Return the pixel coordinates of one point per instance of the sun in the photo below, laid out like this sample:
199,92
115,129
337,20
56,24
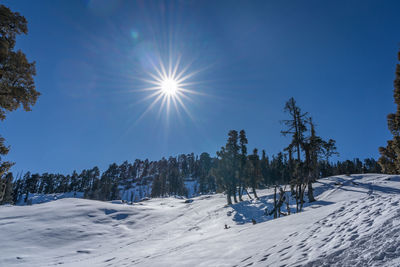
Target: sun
169,87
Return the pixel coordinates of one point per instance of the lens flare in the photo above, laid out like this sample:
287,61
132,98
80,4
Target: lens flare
171,85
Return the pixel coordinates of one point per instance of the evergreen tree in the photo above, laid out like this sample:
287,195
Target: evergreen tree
163,173
390,155
223,173
16,75
232,149
205,179
264,164
156,186
312,150
175,180
227,169
108,187
253,168
296,125
243,159
17,190
7,190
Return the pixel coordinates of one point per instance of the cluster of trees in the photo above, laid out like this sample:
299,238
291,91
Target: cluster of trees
302,162
168,177
235,171
305,152
164,178
390,155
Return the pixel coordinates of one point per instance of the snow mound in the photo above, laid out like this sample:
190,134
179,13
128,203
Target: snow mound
43,198
354,222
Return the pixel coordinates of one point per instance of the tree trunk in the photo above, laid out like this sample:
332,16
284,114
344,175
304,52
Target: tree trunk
240,191
302,190
297,198
3,186
275,204
234,193
288,205
26,196
248,193
310,192
228,197
254,192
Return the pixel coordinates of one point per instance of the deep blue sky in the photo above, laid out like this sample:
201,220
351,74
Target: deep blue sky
336,58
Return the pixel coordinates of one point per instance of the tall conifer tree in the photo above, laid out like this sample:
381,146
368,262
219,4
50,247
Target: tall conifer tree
390,155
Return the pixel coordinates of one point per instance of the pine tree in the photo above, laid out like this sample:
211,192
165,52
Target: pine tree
16,75
232,149
254,171
227,168
296,126
175,180
390,155
163,175
264,163
17,190
312,150
7,191
243,159
205,179
156,186
223,173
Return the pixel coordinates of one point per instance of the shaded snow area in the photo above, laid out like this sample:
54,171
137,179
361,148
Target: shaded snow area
355,222
42,198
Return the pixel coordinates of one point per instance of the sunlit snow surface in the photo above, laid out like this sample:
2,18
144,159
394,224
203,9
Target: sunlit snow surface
355,222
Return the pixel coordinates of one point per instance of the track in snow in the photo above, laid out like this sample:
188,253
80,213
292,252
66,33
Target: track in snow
355,222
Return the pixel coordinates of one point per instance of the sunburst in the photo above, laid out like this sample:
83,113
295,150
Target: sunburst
170,85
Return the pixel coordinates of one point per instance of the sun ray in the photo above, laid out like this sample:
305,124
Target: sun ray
146,98
162,106
185,108
176,66
184,96
171,85
149,108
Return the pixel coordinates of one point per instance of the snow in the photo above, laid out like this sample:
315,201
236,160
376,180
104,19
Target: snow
43,198
354,222
136,192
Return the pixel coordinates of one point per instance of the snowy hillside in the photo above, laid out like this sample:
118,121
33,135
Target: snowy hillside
355,222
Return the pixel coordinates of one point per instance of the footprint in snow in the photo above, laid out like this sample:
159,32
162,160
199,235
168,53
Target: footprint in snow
109,260
246,259
83,251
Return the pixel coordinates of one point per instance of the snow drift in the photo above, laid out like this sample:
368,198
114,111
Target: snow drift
355,222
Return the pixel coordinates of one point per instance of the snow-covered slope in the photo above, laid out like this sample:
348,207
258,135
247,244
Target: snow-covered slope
43,198
355,222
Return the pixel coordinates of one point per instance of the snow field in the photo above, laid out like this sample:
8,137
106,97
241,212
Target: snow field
355,222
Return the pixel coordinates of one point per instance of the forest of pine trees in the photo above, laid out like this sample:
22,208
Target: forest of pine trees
234,171
168,177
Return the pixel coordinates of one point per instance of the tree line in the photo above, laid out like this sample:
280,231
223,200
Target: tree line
232,171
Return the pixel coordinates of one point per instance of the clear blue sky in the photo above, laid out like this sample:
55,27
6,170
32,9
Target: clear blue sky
336,58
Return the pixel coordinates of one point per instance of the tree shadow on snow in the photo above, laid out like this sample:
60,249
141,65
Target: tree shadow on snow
379,188
245,211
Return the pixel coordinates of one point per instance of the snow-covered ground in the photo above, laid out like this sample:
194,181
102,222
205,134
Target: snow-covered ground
43,198
355,222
